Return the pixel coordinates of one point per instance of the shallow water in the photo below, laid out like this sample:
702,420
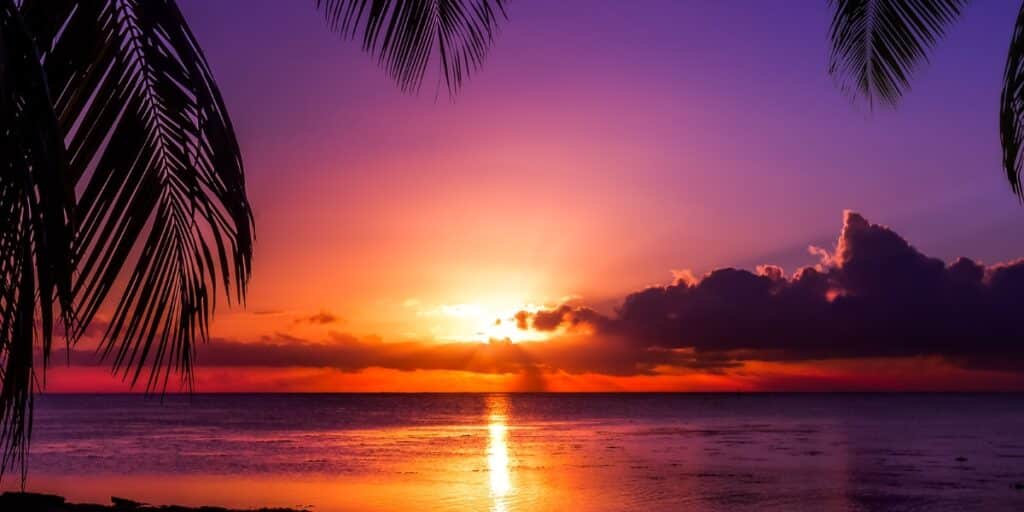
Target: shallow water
518,452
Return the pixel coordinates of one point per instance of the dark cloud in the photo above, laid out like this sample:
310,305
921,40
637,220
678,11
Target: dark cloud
875,295
267,312
321,318
283,336
522,319
560,317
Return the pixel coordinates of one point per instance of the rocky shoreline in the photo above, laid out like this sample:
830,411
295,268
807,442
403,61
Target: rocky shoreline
32,502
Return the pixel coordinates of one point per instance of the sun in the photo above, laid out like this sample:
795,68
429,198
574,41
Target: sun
481,321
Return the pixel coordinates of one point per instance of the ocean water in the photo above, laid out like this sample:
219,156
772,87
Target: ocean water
537,452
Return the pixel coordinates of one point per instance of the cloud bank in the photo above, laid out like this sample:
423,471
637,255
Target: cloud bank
874,296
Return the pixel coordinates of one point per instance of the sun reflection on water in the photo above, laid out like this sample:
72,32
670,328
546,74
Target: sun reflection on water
497,451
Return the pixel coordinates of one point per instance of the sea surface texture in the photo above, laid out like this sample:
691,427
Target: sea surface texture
536,452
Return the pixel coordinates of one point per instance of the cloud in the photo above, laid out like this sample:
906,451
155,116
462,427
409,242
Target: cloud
348,353
321,318
267,312
874,295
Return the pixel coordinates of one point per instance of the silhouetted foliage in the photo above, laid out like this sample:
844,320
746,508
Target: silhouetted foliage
877,45
122,180
151,148
404,35
35,203
1011,107
113,101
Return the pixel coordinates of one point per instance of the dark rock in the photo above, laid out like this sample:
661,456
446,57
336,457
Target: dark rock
961,459
32,502
29,501
125,503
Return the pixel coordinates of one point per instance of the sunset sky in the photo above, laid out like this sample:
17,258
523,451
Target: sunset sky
604,148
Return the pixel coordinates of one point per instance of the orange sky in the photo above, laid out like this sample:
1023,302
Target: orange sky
859,375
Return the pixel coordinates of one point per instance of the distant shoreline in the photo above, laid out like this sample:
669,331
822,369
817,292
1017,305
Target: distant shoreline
34,502
639,393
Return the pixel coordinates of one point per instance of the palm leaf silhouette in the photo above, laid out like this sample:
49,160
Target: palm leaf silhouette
405,35
162,212
112,101
877,44
1011,111
35,204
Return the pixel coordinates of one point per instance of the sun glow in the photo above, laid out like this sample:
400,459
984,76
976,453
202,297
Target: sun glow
480,321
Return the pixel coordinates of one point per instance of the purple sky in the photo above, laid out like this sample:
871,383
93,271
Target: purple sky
603,145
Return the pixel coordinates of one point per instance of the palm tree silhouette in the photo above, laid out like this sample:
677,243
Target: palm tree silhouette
122,181
877,45
121,178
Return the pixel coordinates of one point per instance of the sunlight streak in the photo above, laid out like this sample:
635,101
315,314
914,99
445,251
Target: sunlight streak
497,451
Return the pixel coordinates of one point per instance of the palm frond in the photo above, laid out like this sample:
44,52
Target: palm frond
162,213
35,204
877,44
1011,111
405,35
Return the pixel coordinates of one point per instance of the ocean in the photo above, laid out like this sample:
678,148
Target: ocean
536,452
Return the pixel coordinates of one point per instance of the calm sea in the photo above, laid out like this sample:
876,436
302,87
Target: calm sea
536,452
